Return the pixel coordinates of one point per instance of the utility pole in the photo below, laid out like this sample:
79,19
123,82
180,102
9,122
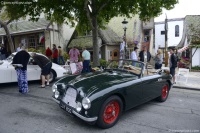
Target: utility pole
166,44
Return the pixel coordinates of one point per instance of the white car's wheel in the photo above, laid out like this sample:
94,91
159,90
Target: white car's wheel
52,76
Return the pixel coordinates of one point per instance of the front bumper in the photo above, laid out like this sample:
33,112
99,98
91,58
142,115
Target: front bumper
93,119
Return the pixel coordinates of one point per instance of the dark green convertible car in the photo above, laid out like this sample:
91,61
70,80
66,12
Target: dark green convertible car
101,96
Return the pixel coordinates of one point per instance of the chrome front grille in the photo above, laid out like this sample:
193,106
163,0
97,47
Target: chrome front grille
70,97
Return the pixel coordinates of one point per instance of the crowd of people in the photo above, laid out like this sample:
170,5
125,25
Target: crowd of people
145,56
55,55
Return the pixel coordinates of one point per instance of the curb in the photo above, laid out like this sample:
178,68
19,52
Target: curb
186,88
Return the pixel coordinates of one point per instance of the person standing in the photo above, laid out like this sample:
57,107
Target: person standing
55,54
22,58
19,48
145,55
134,55
48,53
60,56
172,63
45,64
3,52
86,60
122,49
158,59
74,54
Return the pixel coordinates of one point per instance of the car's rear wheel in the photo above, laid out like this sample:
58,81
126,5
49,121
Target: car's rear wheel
164,93
52,76
110,112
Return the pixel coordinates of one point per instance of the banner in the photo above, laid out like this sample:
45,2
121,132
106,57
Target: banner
183,49
41,38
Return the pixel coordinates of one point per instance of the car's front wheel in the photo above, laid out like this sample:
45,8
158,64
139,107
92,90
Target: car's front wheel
52,76
110,112
164,93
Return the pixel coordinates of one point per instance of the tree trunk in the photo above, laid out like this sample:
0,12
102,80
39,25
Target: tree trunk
95,35
95,42
8,36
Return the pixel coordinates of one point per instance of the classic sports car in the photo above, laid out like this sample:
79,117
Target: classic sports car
8,73
101,97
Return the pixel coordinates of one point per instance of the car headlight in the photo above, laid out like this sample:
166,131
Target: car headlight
86,103
54,88
56,94
78,106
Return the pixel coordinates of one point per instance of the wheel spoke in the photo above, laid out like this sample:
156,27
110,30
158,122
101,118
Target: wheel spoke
111,112
164,92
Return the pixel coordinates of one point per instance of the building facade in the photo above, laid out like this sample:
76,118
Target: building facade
174,33
37,35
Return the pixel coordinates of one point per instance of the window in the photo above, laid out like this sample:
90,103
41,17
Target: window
176,31
32,42
134,26
1,40
147,35
162,32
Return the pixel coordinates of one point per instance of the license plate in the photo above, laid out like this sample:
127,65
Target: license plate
68,109
62,105
65,107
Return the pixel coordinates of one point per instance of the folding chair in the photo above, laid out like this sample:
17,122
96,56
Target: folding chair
182,73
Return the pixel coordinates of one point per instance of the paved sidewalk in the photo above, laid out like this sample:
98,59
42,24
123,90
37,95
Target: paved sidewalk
193,82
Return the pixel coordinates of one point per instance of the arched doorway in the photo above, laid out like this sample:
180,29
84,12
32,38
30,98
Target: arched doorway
115,54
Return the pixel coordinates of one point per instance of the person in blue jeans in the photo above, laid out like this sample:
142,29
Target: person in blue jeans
60,56
86,60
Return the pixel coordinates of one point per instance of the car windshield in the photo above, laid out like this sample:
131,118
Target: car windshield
129,65
10,58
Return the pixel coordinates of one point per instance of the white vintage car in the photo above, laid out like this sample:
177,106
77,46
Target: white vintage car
8,73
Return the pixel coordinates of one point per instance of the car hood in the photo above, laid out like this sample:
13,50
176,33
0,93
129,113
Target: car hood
91,82
4,62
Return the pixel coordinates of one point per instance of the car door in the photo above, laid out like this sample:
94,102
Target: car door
6,73
33,70
134,95
151,86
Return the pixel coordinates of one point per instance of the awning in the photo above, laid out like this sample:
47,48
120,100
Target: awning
183,49
24,27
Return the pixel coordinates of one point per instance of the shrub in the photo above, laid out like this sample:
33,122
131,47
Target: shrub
42,51
65,56
32,50
196,68
103,62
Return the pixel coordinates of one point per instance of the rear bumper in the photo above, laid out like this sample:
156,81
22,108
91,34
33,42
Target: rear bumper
92,119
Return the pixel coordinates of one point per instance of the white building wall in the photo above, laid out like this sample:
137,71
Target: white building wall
159,39
195,58
172,40
47,39
67,34
62,37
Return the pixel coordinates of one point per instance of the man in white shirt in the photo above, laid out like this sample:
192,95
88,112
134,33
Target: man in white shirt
86,60
134,55
19,48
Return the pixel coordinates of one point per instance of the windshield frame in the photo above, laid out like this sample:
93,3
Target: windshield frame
118,67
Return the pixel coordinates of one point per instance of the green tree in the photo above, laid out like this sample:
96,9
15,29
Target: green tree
90,14
4,21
